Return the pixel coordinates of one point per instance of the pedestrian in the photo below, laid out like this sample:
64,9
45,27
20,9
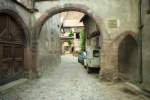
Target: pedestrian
72,50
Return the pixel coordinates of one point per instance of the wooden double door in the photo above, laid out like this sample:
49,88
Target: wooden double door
11,50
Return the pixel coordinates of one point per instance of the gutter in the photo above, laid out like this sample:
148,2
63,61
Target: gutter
140,67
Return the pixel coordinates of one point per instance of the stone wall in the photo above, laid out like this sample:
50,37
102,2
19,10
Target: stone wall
145,45
24,14
128,59
114,18
48,43
27,3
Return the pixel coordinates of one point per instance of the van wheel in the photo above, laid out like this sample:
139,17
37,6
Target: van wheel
78,60
88,70
85,66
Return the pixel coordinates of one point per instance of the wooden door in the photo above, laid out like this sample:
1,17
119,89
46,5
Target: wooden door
11,49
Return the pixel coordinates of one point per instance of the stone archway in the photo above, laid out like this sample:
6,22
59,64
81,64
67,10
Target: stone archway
128,58
61,8
20,31
58,9
115,51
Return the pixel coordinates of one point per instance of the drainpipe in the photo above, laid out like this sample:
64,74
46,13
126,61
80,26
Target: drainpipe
33,3
140,68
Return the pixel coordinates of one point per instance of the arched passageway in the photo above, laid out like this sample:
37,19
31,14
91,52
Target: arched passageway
13,43
58,9
128,58
62,8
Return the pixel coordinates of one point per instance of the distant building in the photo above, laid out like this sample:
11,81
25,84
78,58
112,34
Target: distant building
71,28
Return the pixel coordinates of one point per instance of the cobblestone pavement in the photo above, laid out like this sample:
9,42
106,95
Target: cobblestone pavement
69,81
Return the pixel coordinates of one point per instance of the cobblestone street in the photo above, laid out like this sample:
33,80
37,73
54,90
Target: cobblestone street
69,81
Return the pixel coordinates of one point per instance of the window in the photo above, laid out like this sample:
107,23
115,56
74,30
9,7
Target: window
77,35
96,53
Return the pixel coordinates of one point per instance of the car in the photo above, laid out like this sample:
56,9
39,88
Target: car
92,61
81,57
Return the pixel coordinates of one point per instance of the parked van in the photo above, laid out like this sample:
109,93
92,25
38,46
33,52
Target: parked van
92,60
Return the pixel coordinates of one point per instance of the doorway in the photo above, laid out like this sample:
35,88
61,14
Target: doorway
11,49
128,58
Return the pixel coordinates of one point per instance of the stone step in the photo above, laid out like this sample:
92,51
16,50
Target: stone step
12,84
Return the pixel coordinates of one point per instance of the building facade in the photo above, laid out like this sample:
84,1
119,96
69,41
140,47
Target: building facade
117,21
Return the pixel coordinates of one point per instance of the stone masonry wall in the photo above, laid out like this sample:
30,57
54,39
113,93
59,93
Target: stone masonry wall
145,44
48,43
117,17
24,14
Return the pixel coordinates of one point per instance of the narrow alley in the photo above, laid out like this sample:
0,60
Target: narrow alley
69,81
74,49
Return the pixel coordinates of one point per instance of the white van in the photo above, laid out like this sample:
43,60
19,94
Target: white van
92,60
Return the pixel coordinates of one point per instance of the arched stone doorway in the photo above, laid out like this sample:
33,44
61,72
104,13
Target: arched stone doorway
13,47
128,58
58,9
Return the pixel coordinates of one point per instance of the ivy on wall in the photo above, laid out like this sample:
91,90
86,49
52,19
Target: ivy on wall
82,40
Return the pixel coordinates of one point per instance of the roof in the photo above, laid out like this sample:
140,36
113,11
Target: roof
71,18
72,23
66,38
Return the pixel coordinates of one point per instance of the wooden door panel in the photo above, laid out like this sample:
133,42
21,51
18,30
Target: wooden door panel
11,50
3,23
18,66
19,52
7,52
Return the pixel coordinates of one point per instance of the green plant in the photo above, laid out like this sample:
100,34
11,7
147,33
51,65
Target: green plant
69,42
71,34
82,40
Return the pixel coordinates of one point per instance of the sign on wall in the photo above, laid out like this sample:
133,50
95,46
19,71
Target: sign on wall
112,24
